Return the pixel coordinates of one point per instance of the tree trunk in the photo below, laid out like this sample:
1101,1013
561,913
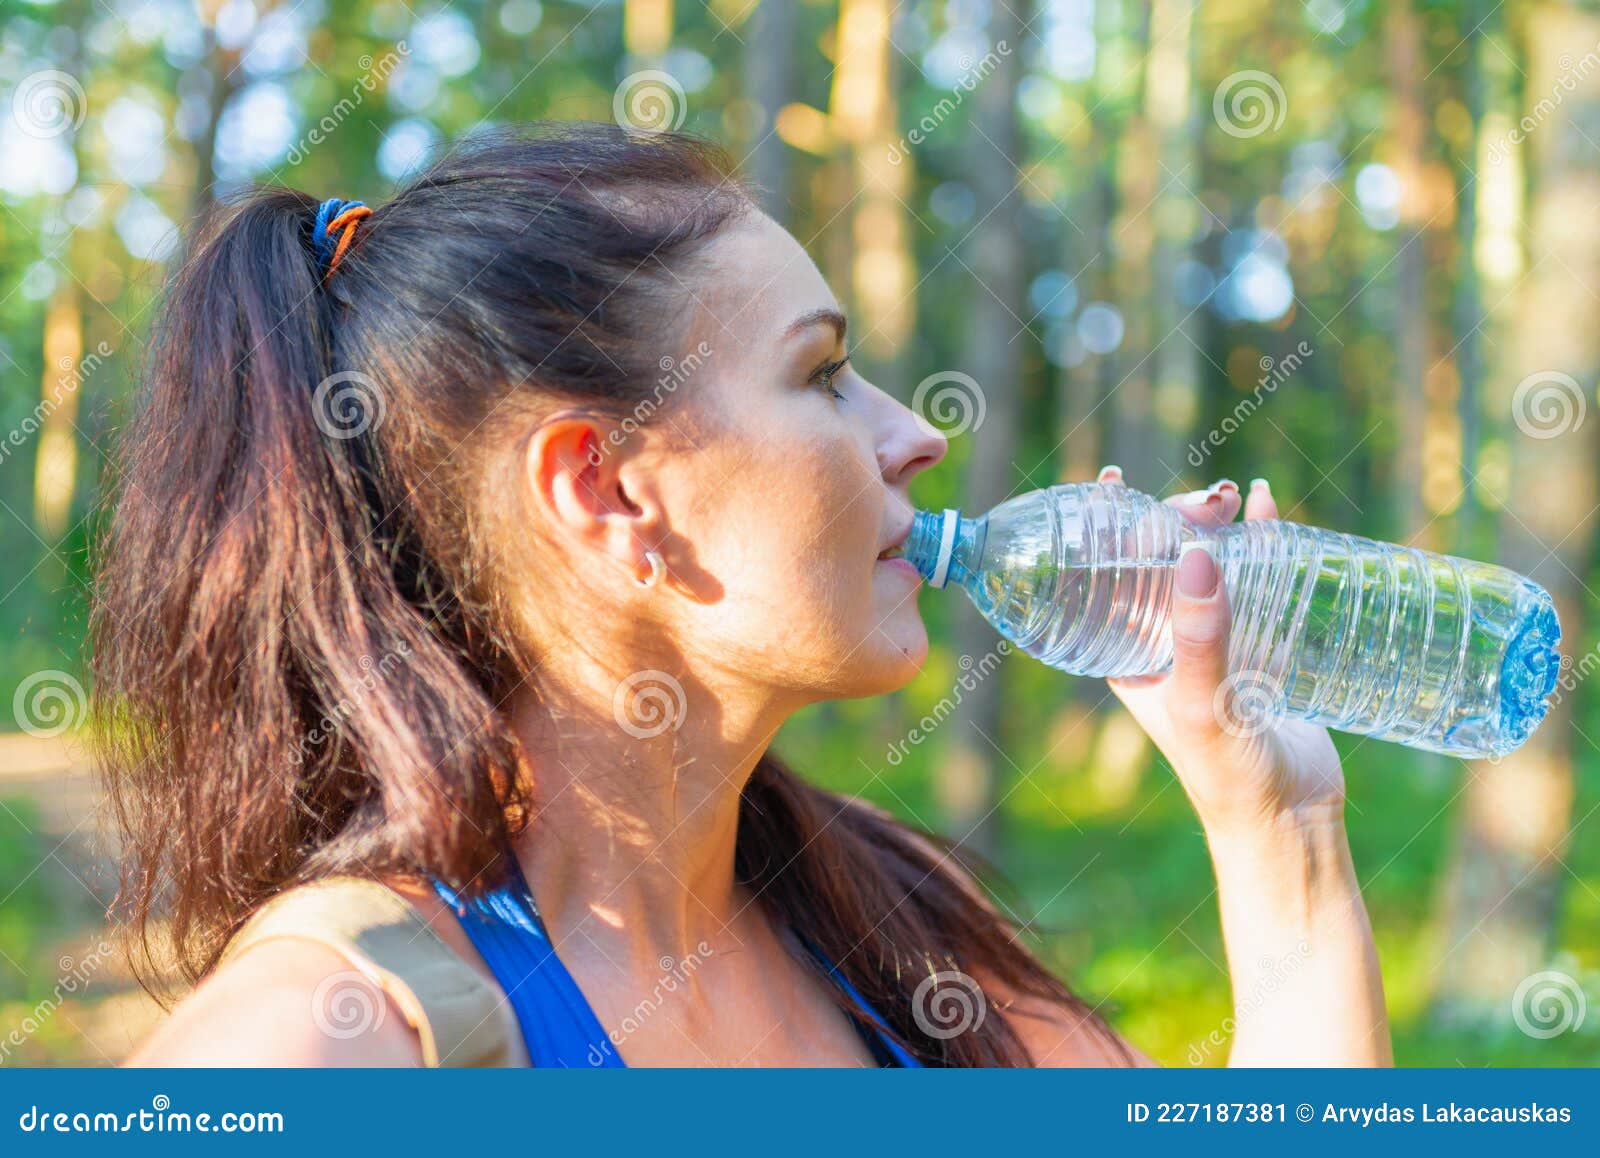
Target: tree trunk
1088,438
1132,237
769,85
1408,131
56,467
882,277
1175,358
969,777
1468,307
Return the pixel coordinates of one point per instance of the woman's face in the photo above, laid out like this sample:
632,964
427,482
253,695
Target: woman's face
786,484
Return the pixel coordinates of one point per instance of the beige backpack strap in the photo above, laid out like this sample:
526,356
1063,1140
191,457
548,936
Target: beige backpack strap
460,1017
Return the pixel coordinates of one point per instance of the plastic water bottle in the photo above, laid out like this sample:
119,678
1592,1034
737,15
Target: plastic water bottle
1427,650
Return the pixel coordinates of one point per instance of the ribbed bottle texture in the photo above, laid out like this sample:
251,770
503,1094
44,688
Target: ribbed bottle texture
1427,650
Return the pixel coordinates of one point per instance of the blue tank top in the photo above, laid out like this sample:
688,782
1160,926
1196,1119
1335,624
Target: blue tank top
558,1026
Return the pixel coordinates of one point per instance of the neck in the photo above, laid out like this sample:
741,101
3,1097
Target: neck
635,792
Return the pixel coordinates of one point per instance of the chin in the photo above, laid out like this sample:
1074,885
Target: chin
893,660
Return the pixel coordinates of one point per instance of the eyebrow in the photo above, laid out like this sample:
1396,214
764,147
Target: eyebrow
825,317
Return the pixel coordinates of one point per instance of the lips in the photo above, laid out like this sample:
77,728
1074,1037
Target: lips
897,546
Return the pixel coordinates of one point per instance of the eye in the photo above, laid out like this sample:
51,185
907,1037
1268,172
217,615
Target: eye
823,375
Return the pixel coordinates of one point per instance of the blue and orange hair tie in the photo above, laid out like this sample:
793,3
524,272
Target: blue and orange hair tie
334,230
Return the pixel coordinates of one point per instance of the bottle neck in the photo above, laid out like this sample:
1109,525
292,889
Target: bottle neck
945,547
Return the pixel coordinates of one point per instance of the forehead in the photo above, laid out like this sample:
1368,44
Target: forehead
756,280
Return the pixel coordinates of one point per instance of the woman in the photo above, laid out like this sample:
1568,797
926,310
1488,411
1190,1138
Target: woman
469,553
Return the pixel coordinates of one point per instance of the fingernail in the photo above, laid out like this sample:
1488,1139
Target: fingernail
1197,571
1194,498
1111,468
1226,484
1261,484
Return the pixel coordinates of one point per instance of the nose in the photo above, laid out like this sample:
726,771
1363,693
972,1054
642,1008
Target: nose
906,446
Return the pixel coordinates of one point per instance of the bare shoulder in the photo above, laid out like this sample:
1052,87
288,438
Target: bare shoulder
286,1001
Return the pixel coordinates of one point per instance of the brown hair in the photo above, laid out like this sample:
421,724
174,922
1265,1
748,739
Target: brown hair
288,516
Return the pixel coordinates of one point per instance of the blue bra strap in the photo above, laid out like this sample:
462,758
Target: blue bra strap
558,1026
883,1045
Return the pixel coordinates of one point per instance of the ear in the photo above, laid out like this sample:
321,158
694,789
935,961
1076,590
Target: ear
575,474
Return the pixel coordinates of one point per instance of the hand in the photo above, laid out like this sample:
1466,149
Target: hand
1237,770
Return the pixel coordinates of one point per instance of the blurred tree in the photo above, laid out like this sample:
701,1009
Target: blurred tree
1174,215
1406,148
1131,236
769,87
863,113
970,777
221,66
56,465
646,27
1090,378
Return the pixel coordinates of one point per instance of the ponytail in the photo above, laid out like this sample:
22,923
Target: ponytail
267,676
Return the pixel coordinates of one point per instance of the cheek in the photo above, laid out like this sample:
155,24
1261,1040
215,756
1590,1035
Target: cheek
791,537
814,518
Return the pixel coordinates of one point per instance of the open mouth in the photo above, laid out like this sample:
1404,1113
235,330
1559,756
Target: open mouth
897,552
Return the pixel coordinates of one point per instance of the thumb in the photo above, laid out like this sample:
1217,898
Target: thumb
1199,645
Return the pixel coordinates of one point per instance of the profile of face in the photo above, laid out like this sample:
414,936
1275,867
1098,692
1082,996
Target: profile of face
771,481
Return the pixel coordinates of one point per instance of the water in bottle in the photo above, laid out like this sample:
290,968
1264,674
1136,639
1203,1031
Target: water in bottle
1427,650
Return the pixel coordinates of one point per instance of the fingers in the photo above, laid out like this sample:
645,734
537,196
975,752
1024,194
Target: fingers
1200,613
1199,645
1217,504
1260,504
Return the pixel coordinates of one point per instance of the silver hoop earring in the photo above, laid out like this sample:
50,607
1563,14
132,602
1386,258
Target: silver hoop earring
658,568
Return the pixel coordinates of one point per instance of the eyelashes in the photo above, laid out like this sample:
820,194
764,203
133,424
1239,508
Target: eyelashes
823,376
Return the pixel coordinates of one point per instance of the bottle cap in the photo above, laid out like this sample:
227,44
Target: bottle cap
947,546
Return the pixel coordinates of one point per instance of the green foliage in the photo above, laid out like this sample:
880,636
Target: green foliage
28,916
